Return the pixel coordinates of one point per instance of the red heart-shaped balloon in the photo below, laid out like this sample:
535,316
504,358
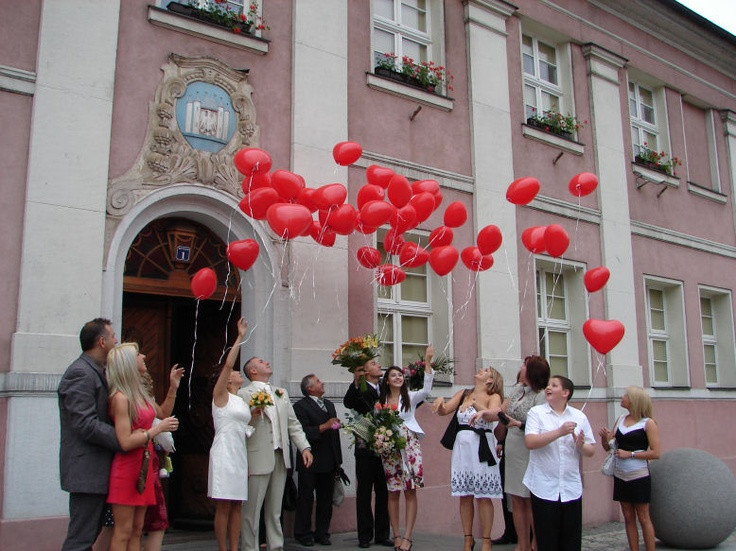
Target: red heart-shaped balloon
412,255
346,153
243,253
370,192
533,238
583,184
489,239
440,237
287,184
369,257
455,214
556,240
379,175
257,202
288,220
595,278
603,335
522,190
388,274
204,283
252,159
443,259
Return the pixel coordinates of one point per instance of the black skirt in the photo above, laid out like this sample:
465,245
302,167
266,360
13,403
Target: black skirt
633,491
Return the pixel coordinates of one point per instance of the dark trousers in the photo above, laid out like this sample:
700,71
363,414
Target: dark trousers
86,514
558,525
309,483
509,530
371,478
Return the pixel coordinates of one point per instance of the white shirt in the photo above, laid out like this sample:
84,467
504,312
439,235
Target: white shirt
416,396
272,412
554,470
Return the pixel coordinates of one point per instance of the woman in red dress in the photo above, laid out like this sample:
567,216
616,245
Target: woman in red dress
133,411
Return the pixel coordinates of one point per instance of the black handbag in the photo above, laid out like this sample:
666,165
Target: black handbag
448,439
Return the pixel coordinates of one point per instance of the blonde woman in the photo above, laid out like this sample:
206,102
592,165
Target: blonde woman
133,411
637,442
475,474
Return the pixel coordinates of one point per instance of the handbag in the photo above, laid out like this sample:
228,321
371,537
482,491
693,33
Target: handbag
448,439
140,484
609,463
338,492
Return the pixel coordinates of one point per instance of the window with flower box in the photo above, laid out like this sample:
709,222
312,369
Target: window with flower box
560,314
666,333
406,34
647,114
716,322
412,313
546,68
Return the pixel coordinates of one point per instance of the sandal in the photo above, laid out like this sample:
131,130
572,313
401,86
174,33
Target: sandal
397,547
411,543
472,539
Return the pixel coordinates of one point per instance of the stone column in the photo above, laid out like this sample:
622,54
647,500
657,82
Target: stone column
490,123
623,367
63,236
318,276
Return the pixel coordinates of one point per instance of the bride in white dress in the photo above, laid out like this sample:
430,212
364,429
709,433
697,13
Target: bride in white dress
227,480
475,473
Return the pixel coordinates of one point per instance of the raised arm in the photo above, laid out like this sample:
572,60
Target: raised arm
440,407
167,406
219,394
428,357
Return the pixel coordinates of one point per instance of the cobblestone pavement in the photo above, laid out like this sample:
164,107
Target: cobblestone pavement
608,537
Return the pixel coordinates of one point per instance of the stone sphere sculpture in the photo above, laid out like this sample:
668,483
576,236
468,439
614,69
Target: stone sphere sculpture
693,499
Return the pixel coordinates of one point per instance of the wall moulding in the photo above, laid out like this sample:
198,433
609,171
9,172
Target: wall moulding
192,140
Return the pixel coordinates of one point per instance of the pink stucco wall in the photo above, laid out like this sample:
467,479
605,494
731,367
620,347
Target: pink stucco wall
143,48
19,23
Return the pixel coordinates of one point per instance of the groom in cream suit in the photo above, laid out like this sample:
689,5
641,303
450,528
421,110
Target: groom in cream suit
268,457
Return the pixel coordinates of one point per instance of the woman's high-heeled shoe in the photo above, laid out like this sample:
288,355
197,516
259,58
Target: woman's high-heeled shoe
472,541
484,543
396,547
411,544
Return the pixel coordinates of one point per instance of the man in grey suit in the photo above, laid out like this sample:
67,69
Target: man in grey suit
88,439
268,457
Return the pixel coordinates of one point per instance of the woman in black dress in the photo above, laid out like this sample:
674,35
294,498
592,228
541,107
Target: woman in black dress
636,439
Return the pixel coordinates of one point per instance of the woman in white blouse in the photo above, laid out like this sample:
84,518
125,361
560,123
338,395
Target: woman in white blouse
404,468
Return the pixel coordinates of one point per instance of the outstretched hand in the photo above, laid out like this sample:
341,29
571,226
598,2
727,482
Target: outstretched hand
242,328
175,376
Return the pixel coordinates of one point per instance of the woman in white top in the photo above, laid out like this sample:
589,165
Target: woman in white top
404,468
227,478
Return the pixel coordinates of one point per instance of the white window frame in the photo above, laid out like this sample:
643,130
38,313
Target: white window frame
576,312
638,125
674,335
563,89
436,310
722,338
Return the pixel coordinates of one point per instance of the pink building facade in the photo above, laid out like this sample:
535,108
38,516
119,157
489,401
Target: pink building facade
121,120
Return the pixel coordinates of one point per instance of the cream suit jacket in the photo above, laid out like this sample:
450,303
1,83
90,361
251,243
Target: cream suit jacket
261,456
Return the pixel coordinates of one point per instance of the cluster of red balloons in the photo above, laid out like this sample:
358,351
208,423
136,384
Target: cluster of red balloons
553,239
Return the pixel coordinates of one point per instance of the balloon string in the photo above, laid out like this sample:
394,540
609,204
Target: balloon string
227,322
601,364
227,276
194,346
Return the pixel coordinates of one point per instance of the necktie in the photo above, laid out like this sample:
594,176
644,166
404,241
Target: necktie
321,404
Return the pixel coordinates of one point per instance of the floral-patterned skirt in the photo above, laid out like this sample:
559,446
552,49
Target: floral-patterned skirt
404,468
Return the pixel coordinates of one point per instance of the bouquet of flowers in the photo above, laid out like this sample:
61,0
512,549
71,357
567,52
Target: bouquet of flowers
260,399
377,430
355,353
414,372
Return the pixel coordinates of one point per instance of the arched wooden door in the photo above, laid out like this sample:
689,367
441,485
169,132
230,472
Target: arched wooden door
160,314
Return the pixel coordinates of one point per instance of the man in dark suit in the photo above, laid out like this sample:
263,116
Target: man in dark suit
88,438
319,421
368,466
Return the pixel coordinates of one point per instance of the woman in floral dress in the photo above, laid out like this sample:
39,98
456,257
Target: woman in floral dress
475,474
404,468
